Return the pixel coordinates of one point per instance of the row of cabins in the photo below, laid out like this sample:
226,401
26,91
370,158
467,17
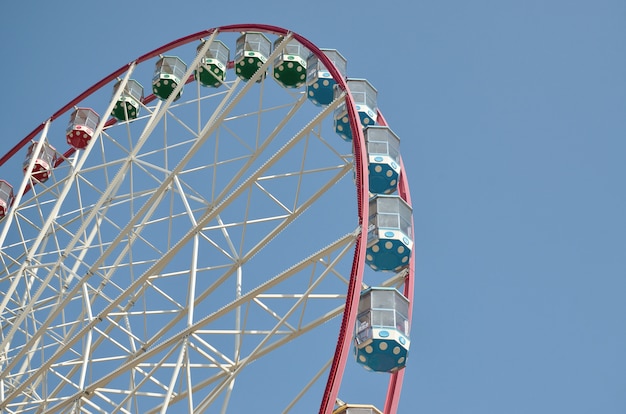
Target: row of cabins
381,334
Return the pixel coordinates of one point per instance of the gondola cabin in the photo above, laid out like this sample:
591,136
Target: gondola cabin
168,74
6,197
365,96
319,81
212,68
80,129
390,233
251,51
290,64
382,329
383,150
45,160
357,409
127,106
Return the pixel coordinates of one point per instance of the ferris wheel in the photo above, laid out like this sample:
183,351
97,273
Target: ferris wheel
222,225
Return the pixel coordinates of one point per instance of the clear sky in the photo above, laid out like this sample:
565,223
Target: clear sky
512,116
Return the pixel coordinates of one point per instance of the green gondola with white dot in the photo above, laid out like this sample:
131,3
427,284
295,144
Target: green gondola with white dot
382,330
290,64
127,106
365,96
319,81
168,74
212,69
251,52
390,233
383,149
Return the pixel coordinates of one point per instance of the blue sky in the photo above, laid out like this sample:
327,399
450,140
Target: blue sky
512,116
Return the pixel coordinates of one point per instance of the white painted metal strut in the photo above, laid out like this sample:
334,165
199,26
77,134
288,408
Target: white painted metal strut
346,241
211,125
157,115
343,244
150,205
20,192
213,213
252,356
142,362
48,223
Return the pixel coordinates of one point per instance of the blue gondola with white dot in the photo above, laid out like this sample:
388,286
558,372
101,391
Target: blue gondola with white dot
365,97
390,233
357,409
319,82
383,149
382,329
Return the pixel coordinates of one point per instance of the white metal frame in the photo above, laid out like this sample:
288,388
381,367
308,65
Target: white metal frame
73,290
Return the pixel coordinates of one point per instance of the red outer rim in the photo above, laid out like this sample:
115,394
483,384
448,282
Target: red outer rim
395,382
344,341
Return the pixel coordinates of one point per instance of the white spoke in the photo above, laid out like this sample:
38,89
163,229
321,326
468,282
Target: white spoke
200,228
